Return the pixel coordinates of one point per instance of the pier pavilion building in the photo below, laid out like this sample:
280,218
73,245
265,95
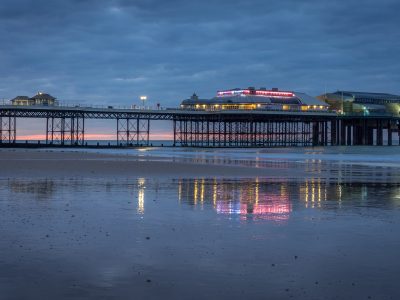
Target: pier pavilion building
255,99
365,103
39,99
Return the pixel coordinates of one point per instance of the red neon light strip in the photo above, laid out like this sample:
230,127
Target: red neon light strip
258,93
274,93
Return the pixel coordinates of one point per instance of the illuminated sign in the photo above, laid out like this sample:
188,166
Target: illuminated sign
256,92
275,93
230,93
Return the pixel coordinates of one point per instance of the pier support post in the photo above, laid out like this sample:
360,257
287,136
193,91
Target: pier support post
379,133
78,130
342,133
315,134
55,130
174,128
8,129
333,132
389,133
133,131
370,132
348,134
398,131
62,130
364,133
326,139
356,135
337,132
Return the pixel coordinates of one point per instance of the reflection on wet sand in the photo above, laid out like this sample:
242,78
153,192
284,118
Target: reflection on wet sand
141,188
257,198
245,197
271,200
42,189
148,236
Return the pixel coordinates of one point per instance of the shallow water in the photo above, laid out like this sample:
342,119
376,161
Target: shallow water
334,164
198,238
257,157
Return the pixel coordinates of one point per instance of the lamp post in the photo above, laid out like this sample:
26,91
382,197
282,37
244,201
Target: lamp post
143,99
342,104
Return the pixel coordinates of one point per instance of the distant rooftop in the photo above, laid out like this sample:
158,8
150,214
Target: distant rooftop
252,95
43,96
21,98
367,95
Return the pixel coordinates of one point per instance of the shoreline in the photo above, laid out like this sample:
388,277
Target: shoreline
31,163
16,163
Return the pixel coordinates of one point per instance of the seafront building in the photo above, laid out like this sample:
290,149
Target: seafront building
255,99
362,102
39,99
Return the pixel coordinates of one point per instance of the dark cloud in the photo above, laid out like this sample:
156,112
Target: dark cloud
97,51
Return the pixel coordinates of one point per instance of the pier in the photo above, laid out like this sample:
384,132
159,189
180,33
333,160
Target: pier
200,128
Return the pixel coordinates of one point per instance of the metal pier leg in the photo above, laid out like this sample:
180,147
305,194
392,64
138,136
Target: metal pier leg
225,133
52,130
349,135
137,131
398,131
333,132
337,132
213,133
370,133
379,133
82,131
326,133
56,127
47,130
342,133
148,132
117,132
389,133
355,134
315,133
8,129
364,133
78,130
123,134
174,125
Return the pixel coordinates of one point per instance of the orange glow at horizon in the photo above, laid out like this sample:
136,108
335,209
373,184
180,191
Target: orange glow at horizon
94,136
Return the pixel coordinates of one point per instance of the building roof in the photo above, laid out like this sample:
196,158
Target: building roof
43,96
355,95
296,99
308,100
20,98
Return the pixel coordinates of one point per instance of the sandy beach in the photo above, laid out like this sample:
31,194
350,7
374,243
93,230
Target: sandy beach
54,163
204,224
58,163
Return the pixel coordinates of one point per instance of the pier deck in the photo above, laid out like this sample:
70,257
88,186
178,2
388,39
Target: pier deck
198,128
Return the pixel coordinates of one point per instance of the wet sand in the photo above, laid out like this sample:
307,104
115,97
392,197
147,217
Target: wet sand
101,226
58,163
33,163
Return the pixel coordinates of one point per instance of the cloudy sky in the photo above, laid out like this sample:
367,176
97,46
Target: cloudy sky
95,51
111,52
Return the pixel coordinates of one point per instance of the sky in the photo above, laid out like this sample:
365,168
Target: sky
111,52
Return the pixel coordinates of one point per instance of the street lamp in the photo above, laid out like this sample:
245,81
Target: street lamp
143,99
